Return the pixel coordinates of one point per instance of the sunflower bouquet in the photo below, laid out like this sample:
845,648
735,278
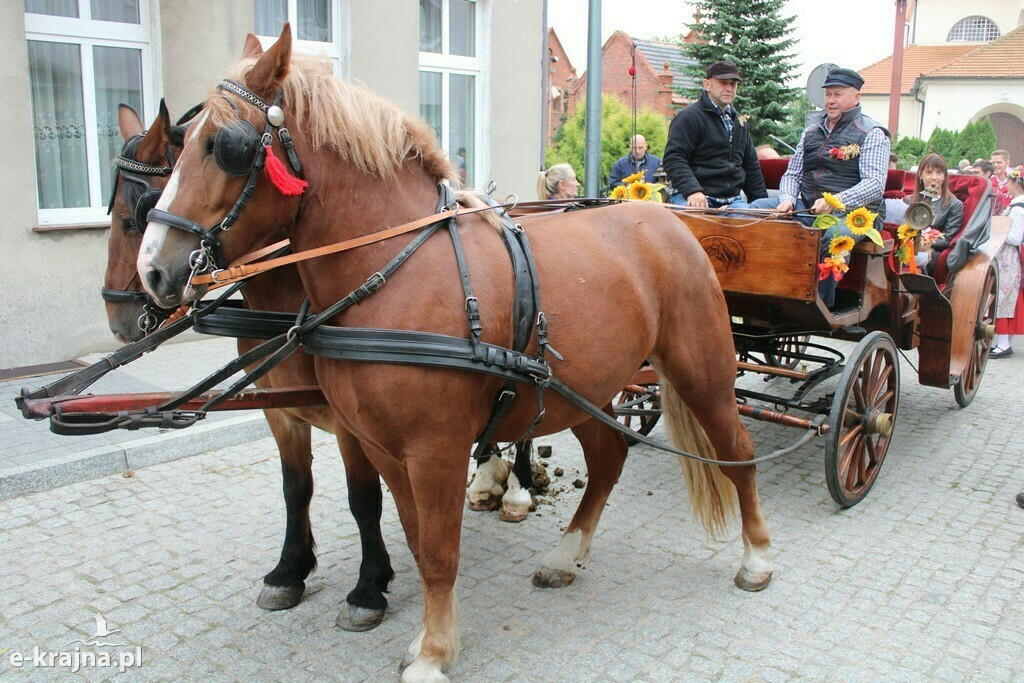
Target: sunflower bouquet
633,187
861,222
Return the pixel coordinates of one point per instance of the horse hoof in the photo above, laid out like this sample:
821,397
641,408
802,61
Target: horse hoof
353,618
752,581
547,577
484,503
513,515
422,672
275,598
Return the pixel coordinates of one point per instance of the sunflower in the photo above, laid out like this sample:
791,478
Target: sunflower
904,253
639,190
860,221
840,244
833,201
619,192
905,232
628,180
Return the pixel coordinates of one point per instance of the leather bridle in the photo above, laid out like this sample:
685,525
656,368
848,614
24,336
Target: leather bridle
136,171
210,255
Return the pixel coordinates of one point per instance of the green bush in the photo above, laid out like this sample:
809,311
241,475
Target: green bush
616,130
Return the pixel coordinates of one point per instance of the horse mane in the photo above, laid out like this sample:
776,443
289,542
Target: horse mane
362,127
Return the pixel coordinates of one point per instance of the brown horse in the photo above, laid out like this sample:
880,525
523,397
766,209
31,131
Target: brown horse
284,585
617,284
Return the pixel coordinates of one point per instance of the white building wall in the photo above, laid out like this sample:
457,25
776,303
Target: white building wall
934,18
52,310
952,104
877,107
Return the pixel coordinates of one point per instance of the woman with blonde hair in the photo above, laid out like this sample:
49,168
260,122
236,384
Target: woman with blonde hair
558,182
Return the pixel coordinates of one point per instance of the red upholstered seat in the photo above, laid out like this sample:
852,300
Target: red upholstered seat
772,170
895,181
969,189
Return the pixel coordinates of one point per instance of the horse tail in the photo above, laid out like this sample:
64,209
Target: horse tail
712,494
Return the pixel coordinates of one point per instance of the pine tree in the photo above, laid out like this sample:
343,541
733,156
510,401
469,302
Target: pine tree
754,35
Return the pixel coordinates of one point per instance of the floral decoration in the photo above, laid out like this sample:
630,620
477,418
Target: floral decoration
845,153
635,188
832,267
834,202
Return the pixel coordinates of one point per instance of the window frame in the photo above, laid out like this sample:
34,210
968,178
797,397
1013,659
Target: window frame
338,50
88,34
974,22
447,65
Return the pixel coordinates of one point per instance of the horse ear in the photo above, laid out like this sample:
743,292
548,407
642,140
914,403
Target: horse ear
153,147
128,121
252,46
272,67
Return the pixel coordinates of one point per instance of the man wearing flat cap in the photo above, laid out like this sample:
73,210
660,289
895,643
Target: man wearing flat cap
842,152
709,156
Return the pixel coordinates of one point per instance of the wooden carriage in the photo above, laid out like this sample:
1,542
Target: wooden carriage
768,270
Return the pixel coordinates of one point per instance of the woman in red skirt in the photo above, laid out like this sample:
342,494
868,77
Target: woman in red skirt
1010,306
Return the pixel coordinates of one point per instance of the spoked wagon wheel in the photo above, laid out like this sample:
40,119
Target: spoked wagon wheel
862,419
984,330
639,408
794,344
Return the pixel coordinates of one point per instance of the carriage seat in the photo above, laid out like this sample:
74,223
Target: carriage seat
970,189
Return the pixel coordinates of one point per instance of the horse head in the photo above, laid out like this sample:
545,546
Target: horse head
140,173
217,183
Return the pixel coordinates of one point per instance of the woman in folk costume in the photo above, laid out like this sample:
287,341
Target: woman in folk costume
1010,307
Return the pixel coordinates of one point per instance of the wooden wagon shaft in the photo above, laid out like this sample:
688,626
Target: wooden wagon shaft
292,397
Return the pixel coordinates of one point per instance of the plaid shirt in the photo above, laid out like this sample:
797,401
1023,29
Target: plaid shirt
726,116
874,169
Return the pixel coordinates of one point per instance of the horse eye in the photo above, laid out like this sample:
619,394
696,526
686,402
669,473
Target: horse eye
126,224
209,145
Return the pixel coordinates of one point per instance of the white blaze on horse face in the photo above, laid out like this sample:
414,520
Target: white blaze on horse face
156,233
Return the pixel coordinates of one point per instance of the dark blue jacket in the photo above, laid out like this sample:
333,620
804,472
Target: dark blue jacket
627,166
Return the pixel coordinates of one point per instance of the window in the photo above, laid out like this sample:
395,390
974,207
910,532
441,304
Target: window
451,80
316,27
974,29
85,57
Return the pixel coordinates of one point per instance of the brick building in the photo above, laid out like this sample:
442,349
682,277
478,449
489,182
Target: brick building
563,85
660,73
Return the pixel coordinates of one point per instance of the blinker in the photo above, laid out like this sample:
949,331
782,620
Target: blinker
235,147
275,115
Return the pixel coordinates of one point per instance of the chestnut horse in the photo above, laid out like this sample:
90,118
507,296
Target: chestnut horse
617,284
284,585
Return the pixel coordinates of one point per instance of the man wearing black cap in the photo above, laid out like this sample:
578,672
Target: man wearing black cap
842,152
709,156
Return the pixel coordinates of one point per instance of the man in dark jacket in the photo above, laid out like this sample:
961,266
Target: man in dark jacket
709,156
638,159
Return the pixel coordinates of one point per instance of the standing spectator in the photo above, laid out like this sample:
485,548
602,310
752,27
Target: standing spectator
963,165
1010,305
558,182
637,159
983,168
1000,163
709,156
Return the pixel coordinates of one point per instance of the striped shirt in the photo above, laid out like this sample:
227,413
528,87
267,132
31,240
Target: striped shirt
873,164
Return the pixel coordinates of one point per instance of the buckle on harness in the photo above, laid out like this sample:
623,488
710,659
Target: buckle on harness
471,301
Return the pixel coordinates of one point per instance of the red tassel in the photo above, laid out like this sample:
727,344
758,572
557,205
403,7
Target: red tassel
284,181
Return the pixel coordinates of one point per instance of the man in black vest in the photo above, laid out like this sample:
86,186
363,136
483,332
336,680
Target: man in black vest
842,152
709,156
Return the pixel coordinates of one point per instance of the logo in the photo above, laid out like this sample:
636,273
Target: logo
726,254
78,659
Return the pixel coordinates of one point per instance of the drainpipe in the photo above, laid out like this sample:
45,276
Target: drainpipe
895,89
592,151
544,66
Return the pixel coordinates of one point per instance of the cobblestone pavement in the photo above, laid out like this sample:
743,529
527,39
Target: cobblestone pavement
921,581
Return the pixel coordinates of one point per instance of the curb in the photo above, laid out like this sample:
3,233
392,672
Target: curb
132,455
